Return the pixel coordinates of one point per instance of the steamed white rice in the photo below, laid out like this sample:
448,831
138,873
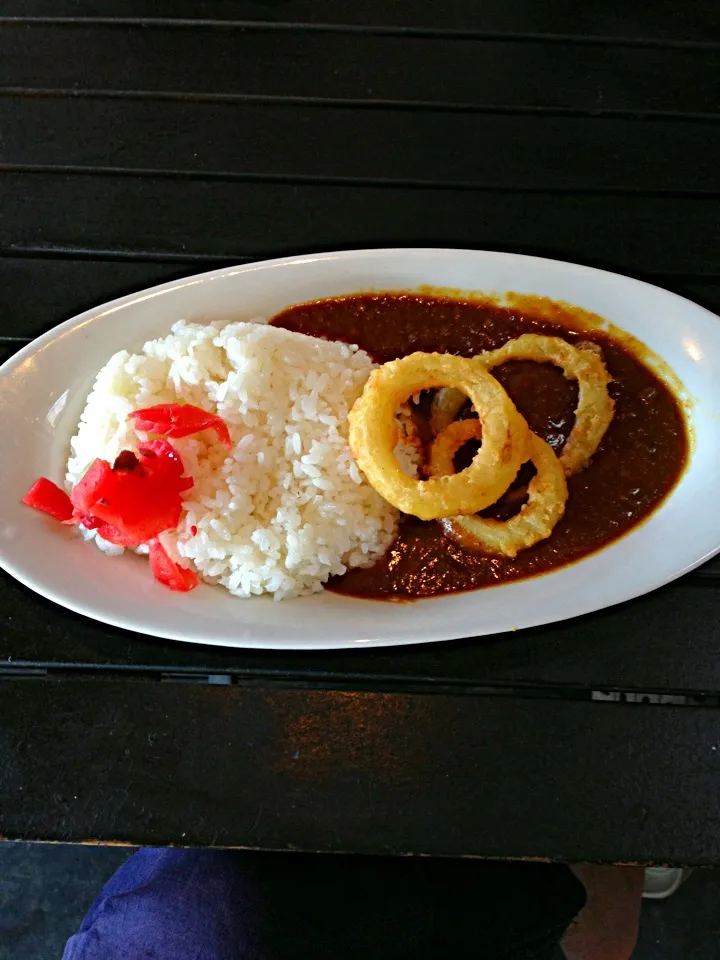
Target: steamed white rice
287,507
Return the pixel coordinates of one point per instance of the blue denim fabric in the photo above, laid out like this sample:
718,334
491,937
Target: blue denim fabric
220,905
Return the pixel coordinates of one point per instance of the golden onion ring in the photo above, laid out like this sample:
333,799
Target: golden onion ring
373,432
595,406
446,445
547,496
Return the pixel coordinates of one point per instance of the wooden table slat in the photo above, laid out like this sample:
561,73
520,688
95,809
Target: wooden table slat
644,234
320,771
664,20
558,154
475,74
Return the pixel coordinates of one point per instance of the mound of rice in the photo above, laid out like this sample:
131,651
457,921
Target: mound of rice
287,507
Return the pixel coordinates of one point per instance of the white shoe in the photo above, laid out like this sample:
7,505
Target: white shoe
662,882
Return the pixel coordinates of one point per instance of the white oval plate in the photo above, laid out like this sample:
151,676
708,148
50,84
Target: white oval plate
43,390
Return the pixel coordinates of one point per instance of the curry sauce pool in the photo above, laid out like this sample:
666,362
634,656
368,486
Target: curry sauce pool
639,461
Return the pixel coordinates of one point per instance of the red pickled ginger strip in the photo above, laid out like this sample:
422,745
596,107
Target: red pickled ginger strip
170,573
179,420
47,496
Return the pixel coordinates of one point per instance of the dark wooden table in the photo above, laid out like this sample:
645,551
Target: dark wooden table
136,150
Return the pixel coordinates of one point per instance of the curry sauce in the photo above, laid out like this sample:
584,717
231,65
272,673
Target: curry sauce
638,462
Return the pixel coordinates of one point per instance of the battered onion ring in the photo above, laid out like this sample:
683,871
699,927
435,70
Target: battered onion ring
446,445
547,495
595,406
373,432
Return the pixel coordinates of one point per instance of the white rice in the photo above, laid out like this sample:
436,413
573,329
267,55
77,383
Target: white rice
287,508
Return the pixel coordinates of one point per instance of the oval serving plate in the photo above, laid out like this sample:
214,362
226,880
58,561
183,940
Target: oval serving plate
43,389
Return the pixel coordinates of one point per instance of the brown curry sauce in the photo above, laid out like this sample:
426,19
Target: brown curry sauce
640,459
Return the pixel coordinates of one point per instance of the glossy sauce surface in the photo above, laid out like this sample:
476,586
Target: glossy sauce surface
638,462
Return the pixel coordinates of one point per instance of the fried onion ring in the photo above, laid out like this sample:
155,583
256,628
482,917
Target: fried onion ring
547,495
446,445
583,363
595,406
373,432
